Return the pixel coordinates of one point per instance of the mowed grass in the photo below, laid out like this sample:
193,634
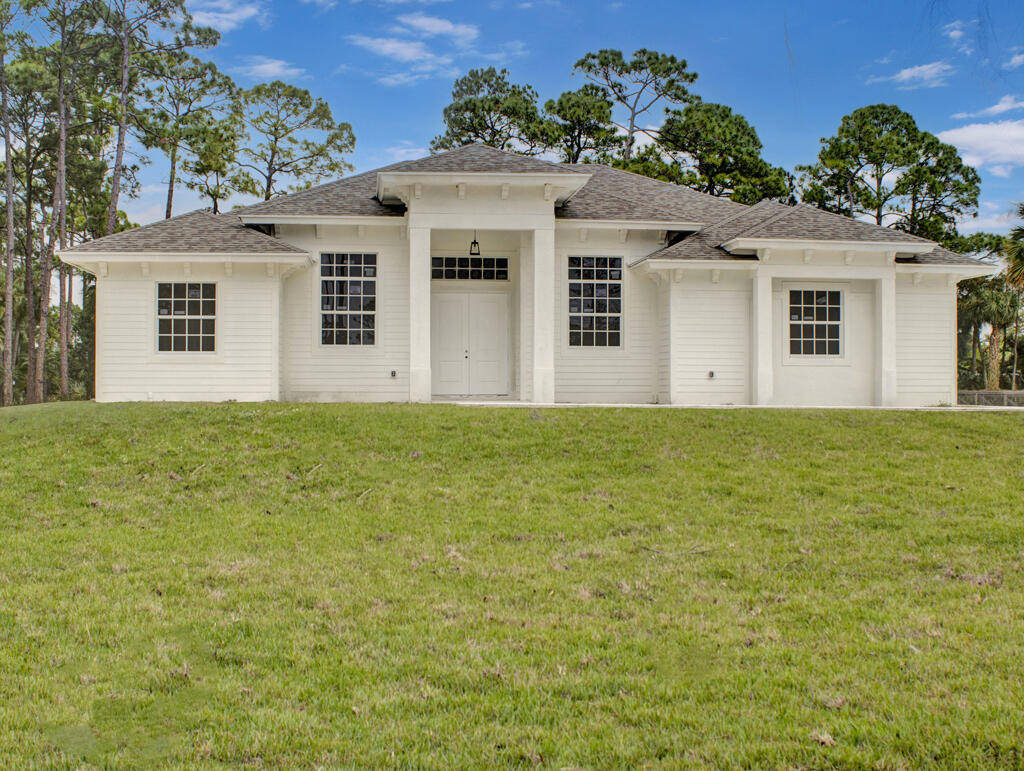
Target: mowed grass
282,585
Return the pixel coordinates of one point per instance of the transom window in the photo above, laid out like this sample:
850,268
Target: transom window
815,316
471,268
348,299
186,317
595,301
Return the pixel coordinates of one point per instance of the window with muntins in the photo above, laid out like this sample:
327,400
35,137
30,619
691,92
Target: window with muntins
469,268
595,301
186,317
815,318
348,299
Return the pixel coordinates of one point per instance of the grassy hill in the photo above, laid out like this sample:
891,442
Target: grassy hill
295,585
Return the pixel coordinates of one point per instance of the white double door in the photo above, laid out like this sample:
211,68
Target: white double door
469,339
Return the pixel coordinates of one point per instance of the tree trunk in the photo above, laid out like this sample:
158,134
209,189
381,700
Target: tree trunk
56,215
1016,344
170,184
7,390
65,386
994,358
122,132
975,345
30,298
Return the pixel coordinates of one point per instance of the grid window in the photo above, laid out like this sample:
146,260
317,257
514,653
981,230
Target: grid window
348,299
470,268
815,316
186,317
595,301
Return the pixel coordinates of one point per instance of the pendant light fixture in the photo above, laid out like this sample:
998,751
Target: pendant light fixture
474,247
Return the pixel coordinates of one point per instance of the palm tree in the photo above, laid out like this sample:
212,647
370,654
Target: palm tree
995,304
1014,252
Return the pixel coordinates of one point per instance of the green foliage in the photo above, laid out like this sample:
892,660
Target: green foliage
489,109
212,170
881,165
293,136
182,94
401,586
638,85
1014,251
721,154
580,122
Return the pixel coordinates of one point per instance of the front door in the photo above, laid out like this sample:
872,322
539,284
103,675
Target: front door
469,343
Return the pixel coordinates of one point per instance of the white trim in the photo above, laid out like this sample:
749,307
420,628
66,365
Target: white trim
821,360
373,220
590,351
319,349
800,244
570,223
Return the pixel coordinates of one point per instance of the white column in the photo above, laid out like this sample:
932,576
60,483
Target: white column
544,315
525,316
419,315
885,341
762,335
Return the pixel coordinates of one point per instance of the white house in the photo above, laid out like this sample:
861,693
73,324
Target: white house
480,273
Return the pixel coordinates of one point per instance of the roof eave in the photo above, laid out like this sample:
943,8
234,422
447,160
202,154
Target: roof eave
905,247
87,260
567,184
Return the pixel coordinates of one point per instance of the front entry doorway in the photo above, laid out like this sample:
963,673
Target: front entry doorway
469,341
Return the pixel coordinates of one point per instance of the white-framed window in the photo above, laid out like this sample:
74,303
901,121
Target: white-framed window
469,268
595,302
348,299
186,317
815,322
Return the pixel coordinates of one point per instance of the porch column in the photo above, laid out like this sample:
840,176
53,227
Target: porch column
544,315
419,315
885,341
763,375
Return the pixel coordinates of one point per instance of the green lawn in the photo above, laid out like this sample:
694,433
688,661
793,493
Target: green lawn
434,586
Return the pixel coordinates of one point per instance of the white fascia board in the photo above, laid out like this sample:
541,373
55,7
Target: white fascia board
961,271
389,220
567,183
83,260
904,247
667,263
576,224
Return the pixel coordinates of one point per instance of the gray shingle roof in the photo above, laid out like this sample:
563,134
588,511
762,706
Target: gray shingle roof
773,220
482,159
198,232
940,256
616,194
350,196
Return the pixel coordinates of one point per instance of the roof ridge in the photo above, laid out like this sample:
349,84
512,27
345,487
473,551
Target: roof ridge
778,215
818,211
706,230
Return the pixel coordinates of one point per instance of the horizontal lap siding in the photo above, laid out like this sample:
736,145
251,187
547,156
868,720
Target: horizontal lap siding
711,333
623,375
925,344
314,372
243,367
664,344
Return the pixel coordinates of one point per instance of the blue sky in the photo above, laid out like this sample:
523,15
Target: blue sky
792,67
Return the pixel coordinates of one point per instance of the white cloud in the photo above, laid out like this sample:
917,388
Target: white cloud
224,15
399,49
432,26
405,151
998,145
929,75
1001,170
994,218
323,5
424,63
957,33
265,68
1005,104
1014,61
506,51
